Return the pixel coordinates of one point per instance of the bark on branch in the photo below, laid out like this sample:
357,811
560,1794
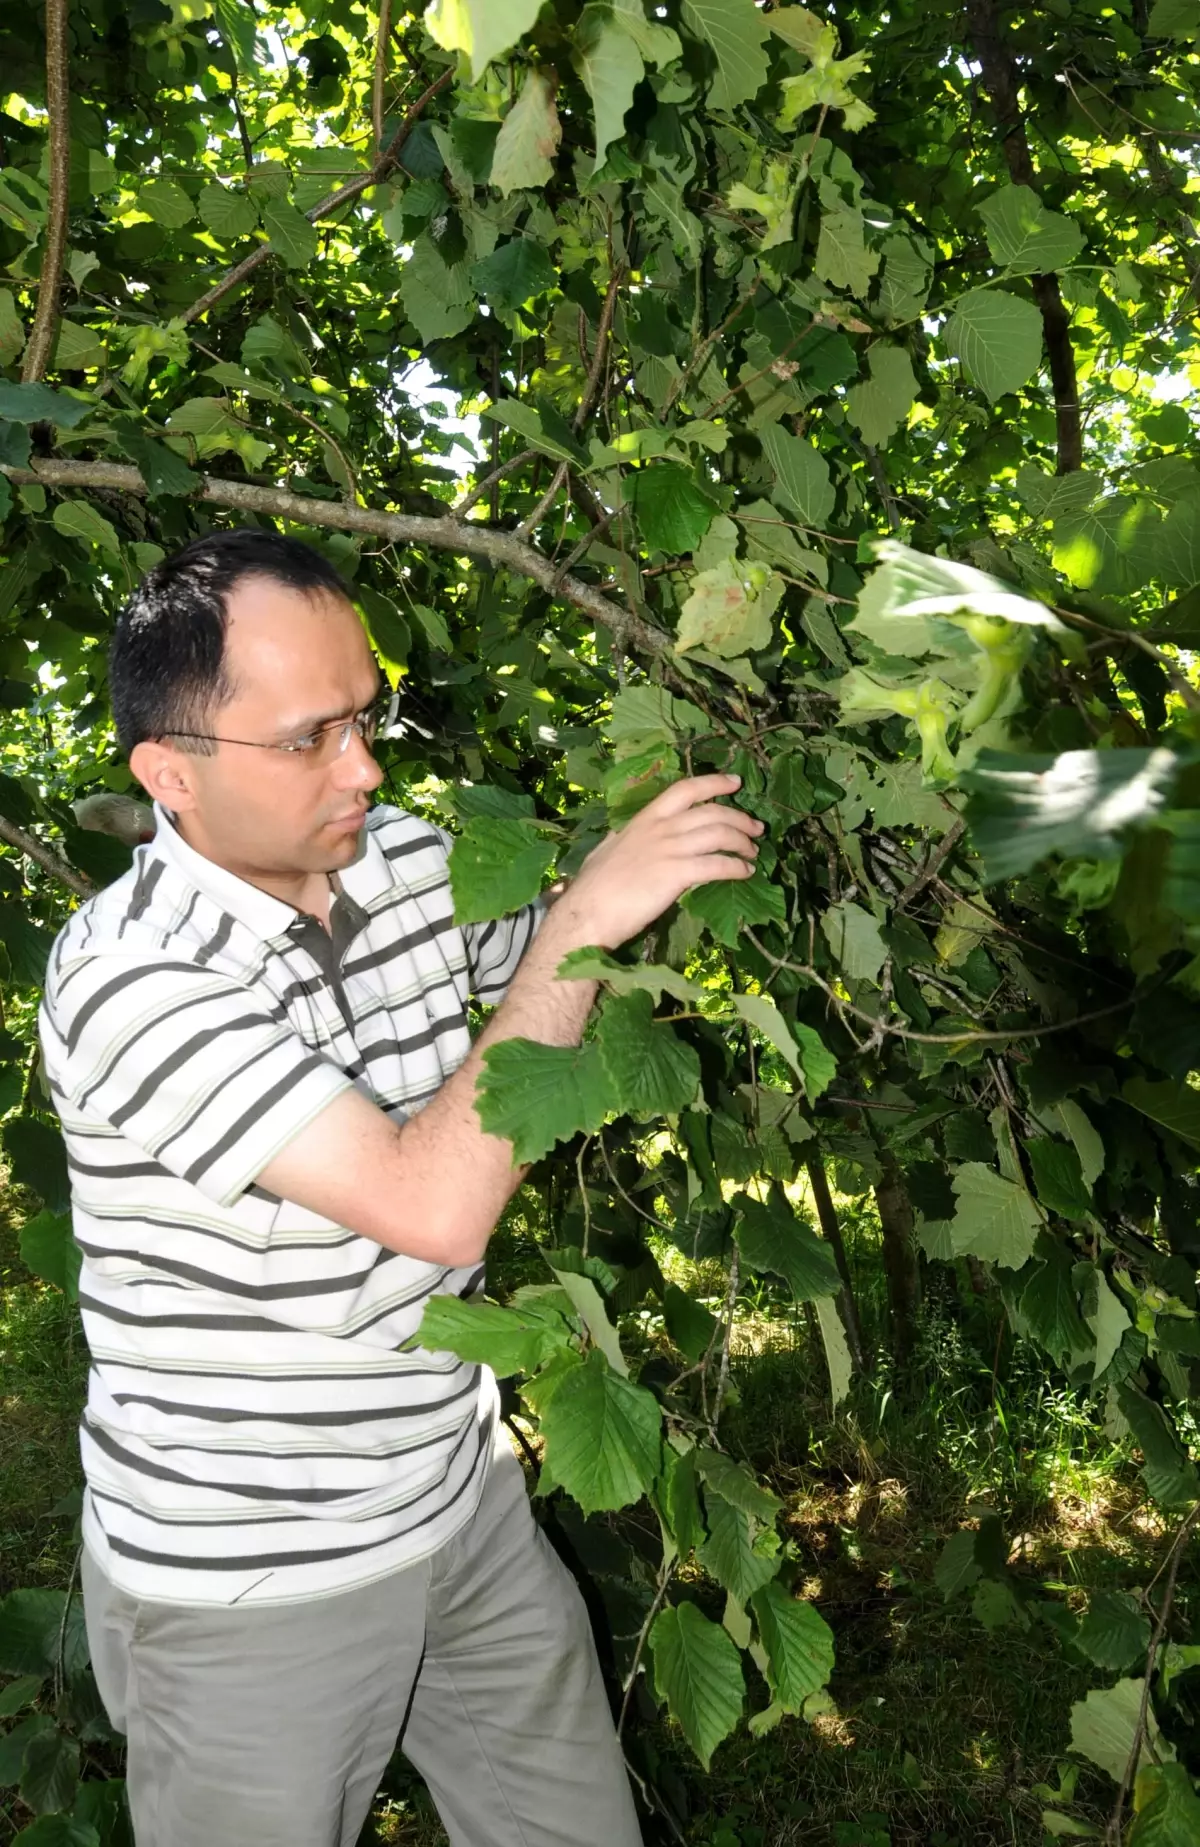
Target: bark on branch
46,858
344,194
45,320
464,536
1002,84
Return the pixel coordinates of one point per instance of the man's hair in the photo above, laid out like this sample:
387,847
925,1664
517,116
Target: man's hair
166,668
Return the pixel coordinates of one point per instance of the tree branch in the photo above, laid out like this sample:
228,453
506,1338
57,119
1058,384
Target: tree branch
446,534
46,858
344,194
45,320
1000,80
379,77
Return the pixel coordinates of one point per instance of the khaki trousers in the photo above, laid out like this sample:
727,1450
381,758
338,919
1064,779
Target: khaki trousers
271,1727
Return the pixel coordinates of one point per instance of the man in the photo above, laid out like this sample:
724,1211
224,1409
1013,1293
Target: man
302,1539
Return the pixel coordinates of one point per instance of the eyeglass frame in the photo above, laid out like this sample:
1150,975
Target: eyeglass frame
367,723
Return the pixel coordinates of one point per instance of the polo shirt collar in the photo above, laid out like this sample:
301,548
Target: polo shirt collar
368,876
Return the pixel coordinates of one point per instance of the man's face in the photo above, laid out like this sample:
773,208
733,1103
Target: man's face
296,661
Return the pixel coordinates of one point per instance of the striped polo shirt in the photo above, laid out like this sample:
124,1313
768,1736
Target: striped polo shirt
254,1430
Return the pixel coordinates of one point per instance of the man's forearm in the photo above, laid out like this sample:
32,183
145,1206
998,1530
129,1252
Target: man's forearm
464,1176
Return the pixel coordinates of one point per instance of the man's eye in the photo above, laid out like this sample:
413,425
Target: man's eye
307,742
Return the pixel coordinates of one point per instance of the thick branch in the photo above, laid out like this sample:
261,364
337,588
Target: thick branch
46,858
344,194
466,536
45,320
1000,80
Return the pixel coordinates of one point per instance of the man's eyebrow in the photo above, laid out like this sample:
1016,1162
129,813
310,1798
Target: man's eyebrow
314,722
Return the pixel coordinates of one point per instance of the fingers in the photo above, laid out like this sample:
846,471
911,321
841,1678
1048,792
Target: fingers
715,834
690,790
692,821
715,866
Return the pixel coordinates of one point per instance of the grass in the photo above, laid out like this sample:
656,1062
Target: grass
941,1731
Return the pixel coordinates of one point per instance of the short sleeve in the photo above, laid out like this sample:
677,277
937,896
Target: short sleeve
194,1068
495,949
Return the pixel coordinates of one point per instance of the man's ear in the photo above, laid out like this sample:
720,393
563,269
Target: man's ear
166,774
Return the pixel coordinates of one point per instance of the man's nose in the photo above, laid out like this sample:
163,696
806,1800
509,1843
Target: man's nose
355,767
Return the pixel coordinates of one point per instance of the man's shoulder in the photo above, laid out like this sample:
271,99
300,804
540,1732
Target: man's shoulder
136,916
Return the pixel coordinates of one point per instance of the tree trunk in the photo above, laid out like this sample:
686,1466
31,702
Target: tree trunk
830,1226
899,1259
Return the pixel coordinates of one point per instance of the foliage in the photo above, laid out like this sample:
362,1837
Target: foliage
772,345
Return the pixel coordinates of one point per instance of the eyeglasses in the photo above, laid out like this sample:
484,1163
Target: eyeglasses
324,743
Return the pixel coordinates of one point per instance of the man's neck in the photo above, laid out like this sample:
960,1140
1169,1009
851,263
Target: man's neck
312,892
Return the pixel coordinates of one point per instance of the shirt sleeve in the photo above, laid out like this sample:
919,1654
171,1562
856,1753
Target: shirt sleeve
495,949
207,1077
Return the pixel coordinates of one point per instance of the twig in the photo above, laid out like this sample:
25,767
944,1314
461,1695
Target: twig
534,519
904,1032
448,534
489,481
379,77
46,858
933,864
697,361
730,1309
344,194
583,1197
600,357
1179,682
45,320
664,1579
1139,1730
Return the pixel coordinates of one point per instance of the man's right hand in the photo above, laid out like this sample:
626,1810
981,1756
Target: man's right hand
680,839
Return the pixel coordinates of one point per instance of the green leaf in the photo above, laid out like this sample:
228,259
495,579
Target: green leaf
995,1219
728,609
40,404
480,28
611,67
539,430
882,402
658,44
16,1741
654,978
37,1157
728,1553
76,348
651,1070
1024,237
1115,1632
496,866
1050,1310
535,1095
513,274
801,476
770,1237
798,1642
588,1304
1067,1116
679,1501
48,1248
998,337
1177,545
733,1482
837,1348
763,1014
698,1672
236,21
528,139
226,213
27,943
1174,19
603,1436
163,471
1078,804
1058,1177
1168,1808
735,32
727,904
958,1567
78,519
31,1625
290,233
1173,1106
689,1324
672,513
57,1831
1104,1725
19,1693
842,258
167,203
1106,1315
1168,1472
51,1773
855,940
485,1334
